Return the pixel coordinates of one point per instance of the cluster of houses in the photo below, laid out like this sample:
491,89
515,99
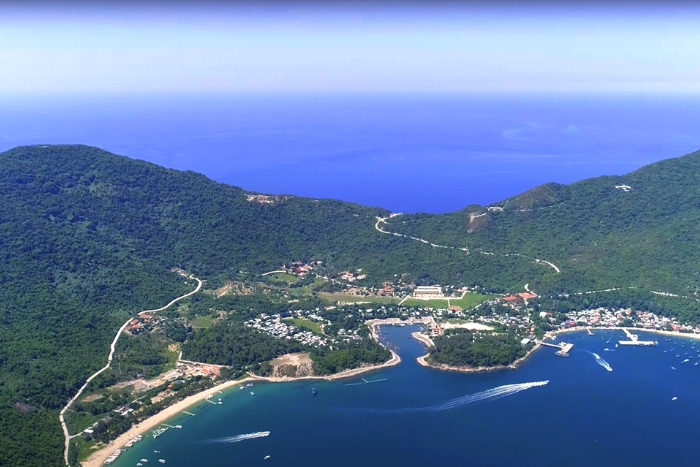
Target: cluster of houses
144,322
351,276
300,268
278,327
609,318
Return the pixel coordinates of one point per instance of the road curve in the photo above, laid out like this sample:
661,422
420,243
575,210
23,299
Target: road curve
109,362
382,220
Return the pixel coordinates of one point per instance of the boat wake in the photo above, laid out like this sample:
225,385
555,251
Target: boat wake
238,438
489,394
600,361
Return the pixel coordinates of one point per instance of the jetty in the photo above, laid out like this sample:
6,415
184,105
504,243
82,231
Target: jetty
188,413
634,340
564,347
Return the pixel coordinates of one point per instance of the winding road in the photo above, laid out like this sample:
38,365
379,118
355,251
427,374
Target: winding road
382,220
109,362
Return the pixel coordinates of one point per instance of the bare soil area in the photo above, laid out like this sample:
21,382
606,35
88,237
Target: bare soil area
292,365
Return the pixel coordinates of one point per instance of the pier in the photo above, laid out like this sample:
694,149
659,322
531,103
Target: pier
634,340
564,348
188,413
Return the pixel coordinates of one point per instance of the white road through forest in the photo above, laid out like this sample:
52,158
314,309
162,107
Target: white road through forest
109,362
383,221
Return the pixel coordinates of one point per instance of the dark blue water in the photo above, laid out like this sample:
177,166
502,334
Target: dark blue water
404,153
585,416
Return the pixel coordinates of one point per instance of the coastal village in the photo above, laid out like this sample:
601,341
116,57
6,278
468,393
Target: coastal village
354,308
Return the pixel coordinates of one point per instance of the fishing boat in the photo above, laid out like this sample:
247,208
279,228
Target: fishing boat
252,393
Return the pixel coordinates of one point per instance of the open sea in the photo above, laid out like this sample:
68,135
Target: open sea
404,153
408,415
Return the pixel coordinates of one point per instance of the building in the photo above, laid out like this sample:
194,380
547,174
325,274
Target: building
427,292
513,299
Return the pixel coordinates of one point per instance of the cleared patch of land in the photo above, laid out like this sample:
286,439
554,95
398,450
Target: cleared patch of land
470,300
348,298
292,365
304,323
282,278
202,322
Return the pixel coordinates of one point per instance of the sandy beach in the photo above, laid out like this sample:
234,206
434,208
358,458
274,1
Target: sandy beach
98,457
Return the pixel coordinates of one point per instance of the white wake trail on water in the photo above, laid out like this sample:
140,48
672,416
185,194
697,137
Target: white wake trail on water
600,361
489,394
239,438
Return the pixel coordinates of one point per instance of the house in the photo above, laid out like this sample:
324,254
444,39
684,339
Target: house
513,299
527,296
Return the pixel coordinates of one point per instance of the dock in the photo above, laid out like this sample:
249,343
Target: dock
564,348
634,340
188,413
589,331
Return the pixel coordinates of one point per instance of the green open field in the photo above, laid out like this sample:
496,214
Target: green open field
340,297
304,323
202,322
435,303
470,300
281,278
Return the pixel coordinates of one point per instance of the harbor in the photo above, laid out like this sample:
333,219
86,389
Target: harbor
564,347
634,340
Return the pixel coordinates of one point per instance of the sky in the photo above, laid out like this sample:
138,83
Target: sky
60,49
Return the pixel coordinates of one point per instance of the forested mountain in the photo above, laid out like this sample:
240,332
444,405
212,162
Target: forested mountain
88,238
641,229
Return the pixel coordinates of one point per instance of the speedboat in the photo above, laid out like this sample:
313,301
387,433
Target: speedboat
267,457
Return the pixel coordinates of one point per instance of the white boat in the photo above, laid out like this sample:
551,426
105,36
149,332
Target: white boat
267,457
144,460
178,426
252,393
242,388
674,398
139,463
162,461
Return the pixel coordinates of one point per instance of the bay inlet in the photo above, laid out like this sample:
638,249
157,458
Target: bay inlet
551,411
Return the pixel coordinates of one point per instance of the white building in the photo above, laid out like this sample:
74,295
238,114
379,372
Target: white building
428,292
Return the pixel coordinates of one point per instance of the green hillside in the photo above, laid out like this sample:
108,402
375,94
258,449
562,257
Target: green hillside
88,238
598,235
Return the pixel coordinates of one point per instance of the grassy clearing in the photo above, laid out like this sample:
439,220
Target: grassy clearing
281,278
304,323
470,300
85,448
340,297
202,322
77,422
435,303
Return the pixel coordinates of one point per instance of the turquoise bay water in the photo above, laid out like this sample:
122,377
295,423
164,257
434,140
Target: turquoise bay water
585,416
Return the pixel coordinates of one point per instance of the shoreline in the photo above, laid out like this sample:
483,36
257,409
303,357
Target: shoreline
98,457
422,361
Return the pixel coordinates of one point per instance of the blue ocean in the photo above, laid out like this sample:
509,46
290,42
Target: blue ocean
409,415
404,153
